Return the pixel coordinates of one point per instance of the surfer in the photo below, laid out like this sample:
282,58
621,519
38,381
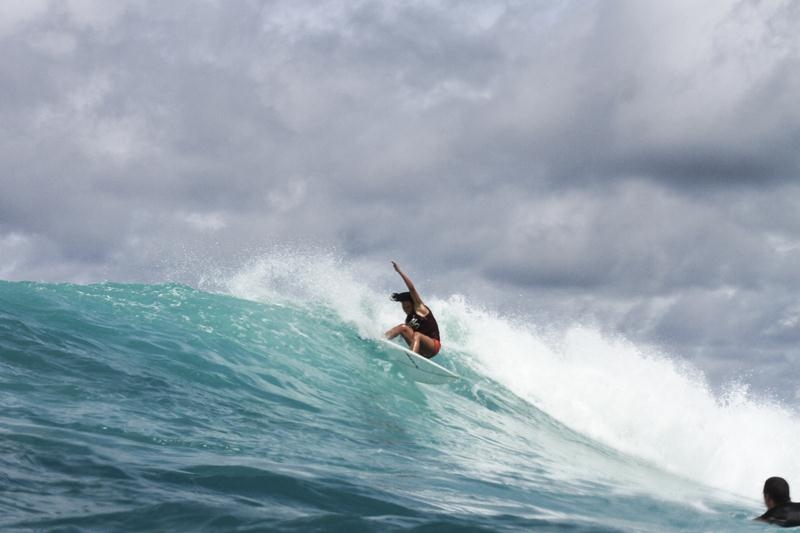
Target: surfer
420,330
781,511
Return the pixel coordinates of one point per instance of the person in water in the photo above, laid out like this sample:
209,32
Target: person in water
420,330
781,510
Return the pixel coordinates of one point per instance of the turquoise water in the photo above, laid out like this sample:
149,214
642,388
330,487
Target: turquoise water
165,408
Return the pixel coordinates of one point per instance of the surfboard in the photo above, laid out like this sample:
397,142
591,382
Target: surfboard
417,367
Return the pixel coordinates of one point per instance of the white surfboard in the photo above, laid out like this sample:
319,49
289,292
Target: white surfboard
417,367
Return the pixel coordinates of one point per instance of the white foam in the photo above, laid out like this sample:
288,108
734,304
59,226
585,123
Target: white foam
637,401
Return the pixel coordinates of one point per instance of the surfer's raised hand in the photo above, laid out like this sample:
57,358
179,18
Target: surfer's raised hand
415,297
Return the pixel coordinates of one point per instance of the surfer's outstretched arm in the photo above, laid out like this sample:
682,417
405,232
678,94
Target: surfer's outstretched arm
411,289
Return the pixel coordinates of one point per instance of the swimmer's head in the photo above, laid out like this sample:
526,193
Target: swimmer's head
776,492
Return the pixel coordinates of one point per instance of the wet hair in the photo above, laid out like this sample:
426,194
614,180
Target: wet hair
777,489
401,296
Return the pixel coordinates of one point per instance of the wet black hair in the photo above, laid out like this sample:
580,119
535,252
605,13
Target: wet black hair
777,489
402,297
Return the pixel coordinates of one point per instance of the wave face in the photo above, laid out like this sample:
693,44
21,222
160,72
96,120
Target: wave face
271,407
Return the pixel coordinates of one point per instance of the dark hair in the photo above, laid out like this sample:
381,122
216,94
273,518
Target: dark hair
777,489
401,296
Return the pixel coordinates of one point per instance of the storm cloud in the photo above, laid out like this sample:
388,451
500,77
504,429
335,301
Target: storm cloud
629,163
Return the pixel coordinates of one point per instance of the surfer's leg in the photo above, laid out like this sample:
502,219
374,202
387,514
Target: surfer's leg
423,345
401,329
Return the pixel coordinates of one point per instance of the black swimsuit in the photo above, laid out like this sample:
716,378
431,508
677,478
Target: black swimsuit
424,324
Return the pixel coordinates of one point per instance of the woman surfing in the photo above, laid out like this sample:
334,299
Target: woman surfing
420,330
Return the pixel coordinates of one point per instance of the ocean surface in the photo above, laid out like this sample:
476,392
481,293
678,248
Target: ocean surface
267,405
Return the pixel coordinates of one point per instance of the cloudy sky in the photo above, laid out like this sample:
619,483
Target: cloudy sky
629,163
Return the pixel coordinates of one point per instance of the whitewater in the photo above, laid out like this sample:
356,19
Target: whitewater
266,404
